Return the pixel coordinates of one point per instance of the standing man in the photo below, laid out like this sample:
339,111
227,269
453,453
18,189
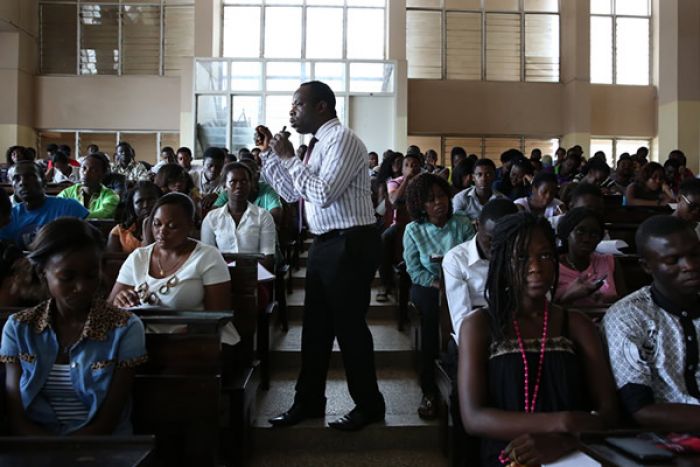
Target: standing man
334,184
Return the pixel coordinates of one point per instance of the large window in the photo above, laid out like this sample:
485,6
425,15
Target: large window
615,147
146,144
498,40
299,29
490,147
620,41
129,37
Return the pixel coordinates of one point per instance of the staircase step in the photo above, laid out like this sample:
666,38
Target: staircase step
402,428
392,348
299,278
387,310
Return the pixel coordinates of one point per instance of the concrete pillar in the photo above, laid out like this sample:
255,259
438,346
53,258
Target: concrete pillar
679,79
396,50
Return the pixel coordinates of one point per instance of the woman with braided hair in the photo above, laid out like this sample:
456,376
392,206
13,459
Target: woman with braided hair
529,370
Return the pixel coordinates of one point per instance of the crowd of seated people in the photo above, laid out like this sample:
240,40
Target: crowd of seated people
516,250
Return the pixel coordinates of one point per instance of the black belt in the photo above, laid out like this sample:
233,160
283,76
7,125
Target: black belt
340,232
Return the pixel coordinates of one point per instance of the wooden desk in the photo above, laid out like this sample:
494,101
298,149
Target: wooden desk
594,446
102,451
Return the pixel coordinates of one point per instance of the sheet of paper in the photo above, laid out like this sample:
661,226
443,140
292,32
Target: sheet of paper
611,247
264,274
575,459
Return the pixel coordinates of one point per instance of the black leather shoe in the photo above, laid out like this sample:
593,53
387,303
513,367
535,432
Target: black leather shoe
296,414
356,420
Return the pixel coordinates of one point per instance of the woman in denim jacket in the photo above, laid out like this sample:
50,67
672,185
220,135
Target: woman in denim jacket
70,360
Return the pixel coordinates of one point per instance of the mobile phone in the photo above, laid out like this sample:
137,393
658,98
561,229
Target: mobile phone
599,283
640,449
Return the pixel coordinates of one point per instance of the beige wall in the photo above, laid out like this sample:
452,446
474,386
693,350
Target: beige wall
108,102
623,110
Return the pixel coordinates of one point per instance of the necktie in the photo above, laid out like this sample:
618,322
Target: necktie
307,156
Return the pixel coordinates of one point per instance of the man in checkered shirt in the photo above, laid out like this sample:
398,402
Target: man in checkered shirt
652,334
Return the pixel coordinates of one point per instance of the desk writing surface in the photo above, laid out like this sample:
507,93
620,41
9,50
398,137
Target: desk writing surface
594,446
102,451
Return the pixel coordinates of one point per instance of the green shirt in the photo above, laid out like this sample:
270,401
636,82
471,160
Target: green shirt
101,206
268,199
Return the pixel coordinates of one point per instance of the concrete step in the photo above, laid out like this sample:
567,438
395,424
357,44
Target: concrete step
401,430
392,348
383,311
299,278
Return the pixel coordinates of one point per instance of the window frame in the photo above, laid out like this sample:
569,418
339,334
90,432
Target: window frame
120,4
613,18
612,158
263,4
521,12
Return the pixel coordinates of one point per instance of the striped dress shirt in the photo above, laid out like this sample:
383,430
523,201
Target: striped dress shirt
335,184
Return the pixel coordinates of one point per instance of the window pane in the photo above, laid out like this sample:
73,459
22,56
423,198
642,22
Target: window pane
494,147
501,5
601,7
365,33
145,145
542,48
376,3
464,46
471,145
632,7
502,47
179,38
423,3
542,5
211,76
169,139
238,2
59,38
212,115
242,32
286,76
282,32
284,2
246,116
632,59
105,141
325,2
141,40
605,145
246,76
463,4
547,146
371,77
99,49
324,33
601,49
277,113
333,74
424,44
630,146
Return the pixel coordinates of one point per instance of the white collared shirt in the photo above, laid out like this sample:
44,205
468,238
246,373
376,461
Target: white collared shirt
465,274
335,184
254,234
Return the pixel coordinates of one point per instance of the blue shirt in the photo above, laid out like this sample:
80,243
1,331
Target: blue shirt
25,224
421,240
111,339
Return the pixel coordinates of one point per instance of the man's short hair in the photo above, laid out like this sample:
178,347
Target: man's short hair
496,209
659,226
485,163
215,153
585,189
598,165
184,150
320,91
511,154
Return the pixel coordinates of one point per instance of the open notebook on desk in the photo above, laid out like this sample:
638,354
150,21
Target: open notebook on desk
263,274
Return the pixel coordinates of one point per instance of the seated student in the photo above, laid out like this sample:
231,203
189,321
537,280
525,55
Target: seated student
462,175
172,178
652,334
434,231
472,200
90,192
261,194
240,226
167,156
465,266
70,360
586,278
127,165
175,271
689,202
649,188
35,209
210,181
184,158
672,176
128,235
624,172
12,155
597,172
542,200
684,171
431,165
582,195
507,159
62,171
568,169
529,370
517,184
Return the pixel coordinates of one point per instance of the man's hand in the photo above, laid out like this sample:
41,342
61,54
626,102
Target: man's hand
263,136
281,145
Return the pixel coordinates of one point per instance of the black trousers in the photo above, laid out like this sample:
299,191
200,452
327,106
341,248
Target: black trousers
427,300
339,275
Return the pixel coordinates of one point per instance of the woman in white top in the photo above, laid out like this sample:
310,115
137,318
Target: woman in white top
240,226
175,271
542,201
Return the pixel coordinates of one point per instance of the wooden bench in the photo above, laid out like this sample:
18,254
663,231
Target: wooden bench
633,214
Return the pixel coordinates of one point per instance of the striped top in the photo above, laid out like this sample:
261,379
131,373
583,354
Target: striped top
335,184
62,397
